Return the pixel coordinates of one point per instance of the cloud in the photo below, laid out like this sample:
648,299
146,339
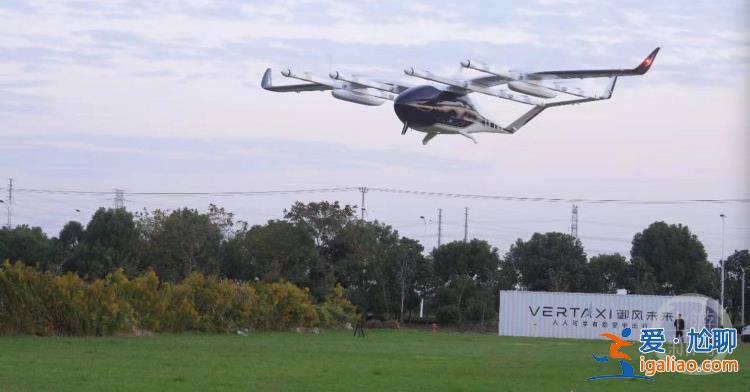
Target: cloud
17,6
143,94
571,13
192,154
287,29
21,103
155,74
637,18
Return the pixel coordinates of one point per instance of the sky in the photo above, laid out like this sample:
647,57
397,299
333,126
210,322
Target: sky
164,96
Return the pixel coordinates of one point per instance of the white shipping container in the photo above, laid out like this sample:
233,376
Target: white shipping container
585,316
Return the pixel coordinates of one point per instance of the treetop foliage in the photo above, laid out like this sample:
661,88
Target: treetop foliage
320,245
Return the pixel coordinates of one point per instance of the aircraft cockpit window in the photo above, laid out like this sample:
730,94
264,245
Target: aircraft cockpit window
422,93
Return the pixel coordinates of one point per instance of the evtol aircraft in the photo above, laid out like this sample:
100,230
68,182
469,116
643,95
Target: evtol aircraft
447,109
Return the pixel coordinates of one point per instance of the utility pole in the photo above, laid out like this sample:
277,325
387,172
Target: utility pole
119,198
364,190
10,203
744,270
574,222
466,224
440,225
723,217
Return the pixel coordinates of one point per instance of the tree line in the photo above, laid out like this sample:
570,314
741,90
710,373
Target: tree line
318,245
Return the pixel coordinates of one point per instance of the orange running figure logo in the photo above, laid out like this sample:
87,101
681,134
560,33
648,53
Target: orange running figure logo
615,353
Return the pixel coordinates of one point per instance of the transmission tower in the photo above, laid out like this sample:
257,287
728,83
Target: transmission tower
364,190
574,222
10,203
119,198
440,226
466,224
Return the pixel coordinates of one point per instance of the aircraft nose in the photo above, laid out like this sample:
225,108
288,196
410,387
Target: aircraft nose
414,113
415,106
403,108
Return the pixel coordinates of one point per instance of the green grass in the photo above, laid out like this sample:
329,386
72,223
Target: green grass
334,361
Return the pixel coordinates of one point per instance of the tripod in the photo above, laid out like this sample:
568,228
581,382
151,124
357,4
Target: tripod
359,330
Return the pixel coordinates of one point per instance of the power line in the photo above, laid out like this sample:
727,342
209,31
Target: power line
397,191
558,199
229,193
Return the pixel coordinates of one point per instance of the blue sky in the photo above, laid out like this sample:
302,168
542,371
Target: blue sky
165,96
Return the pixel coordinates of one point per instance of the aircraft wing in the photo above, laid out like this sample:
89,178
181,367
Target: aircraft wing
338,80
495,78
267,84
349,88
641,69
382,85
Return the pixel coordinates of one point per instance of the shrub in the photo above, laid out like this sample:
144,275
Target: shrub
23,298
40,303
284,305
336,310
448,315
147,300
473,312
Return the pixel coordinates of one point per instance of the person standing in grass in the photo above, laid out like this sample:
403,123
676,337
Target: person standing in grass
679,326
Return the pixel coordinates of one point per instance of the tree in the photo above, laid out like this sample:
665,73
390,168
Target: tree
274,251
467,273
323,220
734,265
380,270
225,221
180,242
607,273
71,235
676,257
550,262
27,244
641,278
360,256
409,267
507,276
110,241
112,229
66,246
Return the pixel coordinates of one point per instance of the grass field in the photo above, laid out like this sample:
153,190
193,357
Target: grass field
334,361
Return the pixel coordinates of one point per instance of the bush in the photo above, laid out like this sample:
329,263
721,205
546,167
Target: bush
23,300
40,303
284,305
147,300
473,312
336,310
448,315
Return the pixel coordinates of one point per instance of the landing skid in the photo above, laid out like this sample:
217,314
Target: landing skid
428,137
